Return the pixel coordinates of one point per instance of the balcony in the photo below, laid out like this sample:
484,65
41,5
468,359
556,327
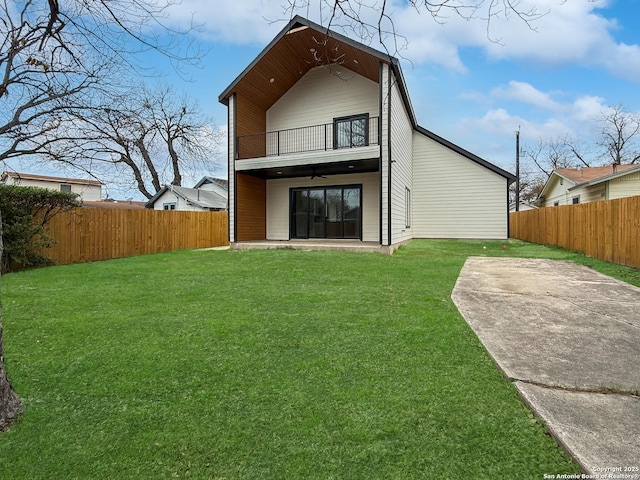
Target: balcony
343,133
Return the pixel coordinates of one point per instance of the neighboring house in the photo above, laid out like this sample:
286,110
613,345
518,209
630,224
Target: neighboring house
211,196
524,206
217,185
568,186
87,190
324,143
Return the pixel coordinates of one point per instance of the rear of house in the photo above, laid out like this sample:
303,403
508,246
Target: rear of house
323,143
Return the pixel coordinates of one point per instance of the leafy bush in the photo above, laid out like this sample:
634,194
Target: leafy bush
25,213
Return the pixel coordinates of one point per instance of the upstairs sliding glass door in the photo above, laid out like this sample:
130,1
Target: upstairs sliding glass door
326,212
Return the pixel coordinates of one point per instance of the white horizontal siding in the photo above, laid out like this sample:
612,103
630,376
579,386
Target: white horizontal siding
594,193
453,196
401,169
171,197
627,186
231,155
89,193
278,202
384,149
557,191
322,94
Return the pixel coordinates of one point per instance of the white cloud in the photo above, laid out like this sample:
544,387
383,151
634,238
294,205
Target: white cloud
526,93
572,33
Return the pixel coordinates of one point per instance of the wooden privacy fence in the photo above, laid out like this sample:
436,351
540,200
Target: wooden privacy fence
608,230
88,234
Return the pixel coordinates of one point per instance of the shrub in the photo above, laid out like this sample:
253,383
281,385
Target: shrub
25,213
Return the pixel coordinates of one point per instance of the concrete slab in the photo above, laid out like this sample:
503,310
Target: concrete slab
601,431
558,329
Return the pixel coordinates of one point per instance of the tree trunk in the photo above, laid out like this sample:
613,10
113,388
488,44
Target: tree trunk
10,405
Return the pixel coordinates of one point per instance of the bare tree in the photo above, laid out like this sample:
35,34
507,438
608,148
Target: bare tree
620,136
373,19
54,56
142,138
548,155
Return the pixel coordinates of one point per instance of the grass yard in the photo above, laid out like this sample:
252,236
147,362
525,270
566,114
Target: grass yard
264,364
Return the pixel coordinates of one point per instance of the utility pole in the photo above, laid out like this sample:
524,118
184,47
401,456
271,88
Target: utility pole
518,169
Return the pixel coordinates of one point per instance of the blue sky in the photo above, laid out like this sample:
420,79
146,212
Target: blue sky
555,79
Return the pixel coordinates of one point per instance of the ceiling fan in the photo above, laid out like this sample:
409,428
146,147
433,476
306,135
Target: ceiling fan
313,174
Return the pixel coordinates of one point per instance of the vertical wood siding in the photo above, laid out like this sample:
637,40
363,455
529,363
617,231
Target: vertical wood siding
251,205
454,197
278,202
607,230
89,234
250,119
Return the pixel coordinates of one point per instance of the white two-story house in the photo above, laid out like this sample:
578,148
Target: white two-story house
324,143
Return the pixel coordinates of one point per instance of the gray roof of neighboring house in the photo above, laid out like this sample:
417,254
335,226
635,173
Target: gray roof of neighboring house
194,196
48,178
224,183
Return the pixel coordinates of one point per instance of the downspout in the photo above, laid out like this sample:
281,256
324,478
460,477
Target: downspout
508,213
380,78
389,155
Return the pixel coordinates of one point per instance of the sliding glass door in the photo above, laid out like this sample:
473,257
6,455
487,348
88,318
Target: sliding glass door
326,212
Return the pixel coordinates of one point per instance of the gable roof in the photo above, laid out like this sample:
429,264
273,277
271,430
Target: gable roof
302,45
606,174
46,178
224,183
586,176
193,196
589,174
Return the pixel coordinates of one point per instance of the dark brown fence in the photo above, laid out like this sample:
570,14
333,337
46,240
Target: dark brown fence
87,234
607,230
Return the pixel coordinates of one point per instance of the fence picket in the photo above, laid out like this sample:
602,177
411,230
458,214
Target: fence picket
608,230
88,234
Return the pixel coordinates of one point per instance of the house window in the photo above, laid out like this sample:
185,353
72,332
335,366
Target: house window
575,200
169,206
65,187
407,207
350,132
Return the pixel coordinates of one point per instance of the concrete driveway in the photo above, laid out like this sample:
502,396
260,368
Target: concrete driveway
569,339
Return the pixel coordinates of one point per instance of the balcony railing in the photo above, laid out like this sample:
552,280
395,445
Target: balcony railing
350,132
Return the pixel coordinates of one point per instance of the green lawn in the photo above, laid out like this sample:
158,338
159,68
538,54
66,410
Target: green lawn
264,364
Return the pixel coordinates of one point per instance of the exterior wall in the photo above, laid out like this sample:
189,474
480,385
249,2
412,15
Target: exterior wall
557,192
594,193
401,169
231,144
278,202
181,203
251,208
384,153
90,193
454,197
214,187
324,93
626,186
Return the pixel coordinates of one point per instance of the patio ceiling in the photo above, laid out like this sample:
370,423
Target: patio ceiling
316,170
301,46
